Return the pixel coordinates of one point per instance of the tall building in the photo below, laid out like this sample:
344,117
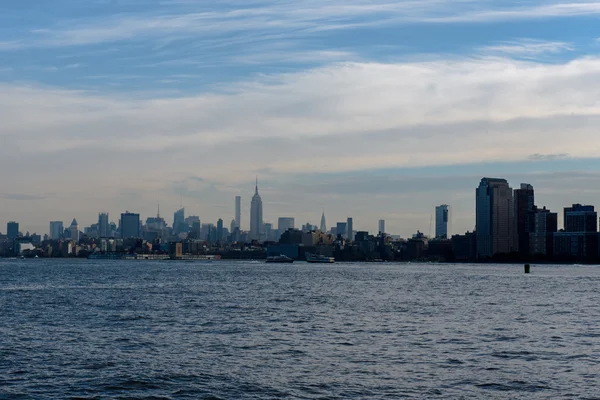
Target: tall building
12,230
74,230
580,218
130,225
494,217
179,221
349,229
524,216
238,211
341,229
219,230
57,230
256,216
542,239
323,223
103,229
443,222
285,223
381,226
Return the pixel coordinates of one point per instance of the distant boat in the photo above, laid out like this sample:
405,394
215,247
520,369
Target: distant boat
319,258
282,259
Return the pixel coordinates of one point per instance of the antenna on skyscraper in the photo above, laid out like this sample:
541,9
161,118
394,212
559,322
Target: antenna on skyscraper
430,223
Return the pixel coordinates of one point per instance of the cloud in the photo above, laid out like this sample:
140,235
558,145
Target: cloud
22,197
527,48
548,157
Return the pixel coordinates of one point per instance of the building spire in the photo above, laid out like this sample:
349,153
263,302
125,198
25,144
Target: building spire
256,187
158,209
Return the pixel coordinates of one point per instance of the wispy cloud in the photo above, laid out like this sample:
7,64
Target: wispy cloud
527,48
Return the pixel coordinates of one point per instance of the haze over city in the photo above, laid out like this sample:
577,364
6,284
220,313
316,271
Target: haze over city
369,109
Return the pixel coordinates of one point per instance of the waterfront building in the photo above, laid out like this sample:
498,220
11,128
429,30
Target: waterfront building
580,218
524,216
238,212
219,229
12,230
285,223
57,230
103,229
381,226
256,216
545,226
494,217
579,240
130,225
443,221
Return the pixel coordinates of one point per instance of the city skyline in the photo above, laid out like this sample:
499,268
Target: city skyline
328,103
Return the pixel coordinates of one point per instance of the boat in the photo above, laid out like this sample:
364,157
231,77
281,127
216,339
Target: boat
319,258
280,259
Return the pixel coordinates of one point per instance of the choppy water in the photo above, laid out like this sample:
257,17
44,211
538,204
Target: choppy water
235,330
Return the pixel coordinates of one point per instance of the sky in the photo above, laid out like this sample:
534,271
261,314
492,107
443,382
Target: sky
374,109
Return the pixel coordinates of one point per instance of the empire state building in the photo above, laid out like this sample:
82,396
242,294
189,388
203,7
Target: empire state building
256,216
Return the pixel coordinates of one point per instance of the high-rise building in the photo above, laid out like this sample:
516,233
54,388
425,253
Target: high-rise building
12,230
285,223
494,217
323,223
256,216
74,230
580,218
238,211
524,216
103,230
341,229
130,225
233,225
381,226
57,230
219,230
443,221
179,221
349,229
542,239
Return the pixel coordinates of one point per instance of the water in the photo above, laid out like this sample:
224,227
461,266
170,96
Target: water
239,330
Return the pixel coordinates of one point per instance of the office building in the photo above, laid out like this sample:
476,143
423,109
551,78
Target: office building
219,229
524,216
381,226
179,221
579,240
130,225
256,216
443,221
285,223
580,218
57,230
238,211
12,230
323,223
349,229
541,240
103,229
341,229
74,231
494,217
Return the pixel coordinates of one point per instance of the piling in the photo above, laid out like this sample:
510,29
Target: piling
527,268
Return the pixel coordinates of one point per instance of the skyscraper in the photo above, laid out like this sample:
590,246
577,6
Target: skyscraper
130,225
12,230
285,223
74,230
238,211
443,221
494,217
103,230
256,216
219,230
340,229
179,221
57,230
349,229
323,223
381,226
524,216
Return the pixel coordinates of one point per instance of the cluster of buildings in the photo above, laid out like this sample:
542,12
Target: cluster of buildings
509,226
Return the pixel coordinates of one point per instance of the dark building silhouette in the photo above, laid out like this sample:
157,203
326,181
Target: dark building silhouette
524,199
12,230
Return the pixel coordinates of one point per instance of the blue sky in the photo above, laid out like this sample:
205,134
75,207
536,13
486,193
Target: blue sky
373,109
